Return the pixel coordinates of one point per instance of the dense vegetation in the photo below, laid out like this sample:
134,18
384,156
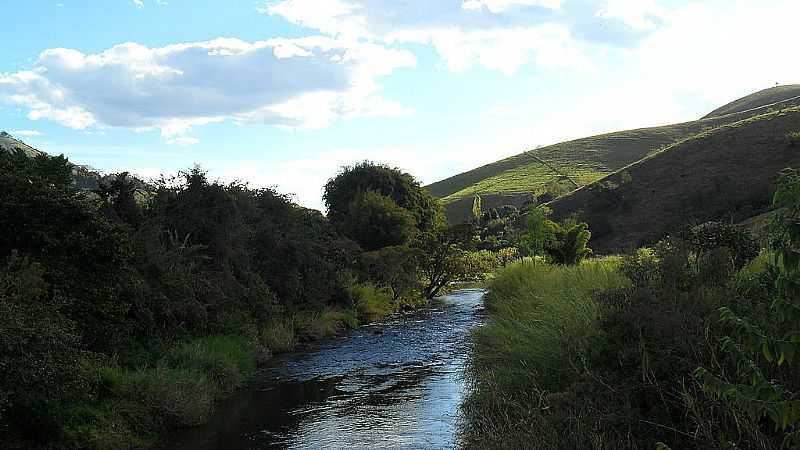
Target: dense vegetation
690,343
131,309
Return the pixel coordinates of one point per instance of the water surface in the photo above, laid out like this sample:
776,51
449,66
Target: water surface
391,385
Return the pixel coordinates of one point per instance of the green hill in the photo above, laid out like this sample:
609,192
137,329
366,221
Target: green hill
772,96
569,165
727,172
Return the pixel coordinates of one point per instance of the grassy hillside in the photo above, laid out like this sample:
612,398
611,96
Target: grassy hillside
729,170
569,165
777,94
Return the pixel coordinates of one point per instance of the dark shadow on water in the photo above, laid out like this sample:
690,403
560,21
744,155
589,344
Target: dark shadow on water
397,388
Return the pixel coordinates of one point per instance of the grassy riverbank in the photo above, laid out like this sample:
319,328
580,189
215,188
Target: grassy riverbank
542,324
661,349
178,386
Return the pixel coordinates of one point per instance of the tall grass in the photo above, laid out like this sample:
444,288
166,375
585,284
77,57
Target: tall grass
542,324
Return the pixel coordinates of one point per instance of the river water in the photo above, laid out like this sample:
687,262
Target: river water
391,385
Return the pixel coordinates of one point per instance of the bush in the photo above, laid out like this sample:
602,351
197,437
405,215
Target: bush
642,268
182,397
371,303
279,335
226,360
39,354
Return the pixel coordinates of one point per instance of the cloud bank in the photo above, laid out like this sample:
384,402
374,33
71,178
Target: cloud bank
297,83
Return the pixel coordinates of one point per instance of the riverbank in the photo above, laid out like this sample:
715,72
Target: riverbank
178,386
397,383
646,351
541,324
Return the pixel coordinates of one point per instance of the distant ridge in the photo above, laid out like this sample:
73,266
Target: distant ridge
10,144
768,97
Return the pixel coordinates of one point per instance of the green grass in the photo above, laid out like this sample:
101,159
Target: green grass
371,303
135,406
542,322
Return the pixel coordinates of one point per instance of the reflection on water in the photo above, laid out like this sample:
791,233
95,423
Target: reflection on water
396,384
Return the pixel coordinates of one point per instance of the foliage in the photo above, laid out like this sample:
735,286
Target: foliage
393,267
442,258
543,325
715,235
569,246
353,181
477,212
765,352
371,302
376,221
536,234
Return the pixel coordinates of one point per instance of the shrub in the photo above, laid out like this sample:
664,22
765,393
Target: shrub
371,303
183,397
279,335
642,268
39,353
226,360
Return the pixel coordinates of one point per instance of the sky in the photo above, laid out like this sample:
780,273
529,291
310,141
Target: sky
283,93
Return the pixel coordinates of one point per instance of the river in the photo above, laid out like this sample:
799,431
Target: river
396,384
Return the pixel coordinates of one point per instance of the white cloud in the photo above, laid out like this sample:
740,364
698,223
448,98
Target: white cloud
498,34
27,133
139,3
303,82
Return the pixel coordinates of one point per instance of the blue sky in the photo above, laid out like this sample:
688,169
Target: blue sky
284,92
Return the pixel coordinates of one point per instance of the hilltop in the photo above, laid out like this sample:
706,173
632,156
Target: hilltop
85,177
557,169
728,172
11,145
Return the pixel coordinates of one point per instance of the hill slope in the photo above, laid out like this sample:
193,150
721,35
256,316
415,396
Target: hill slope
569,165
9,144
771,96
729,170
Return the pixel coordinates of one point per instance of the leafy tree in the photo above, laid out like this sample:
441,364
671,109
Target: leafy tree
394,267
571,240
535,233
119,194
44,217
376,221
765,352
442,258
39,351
353,181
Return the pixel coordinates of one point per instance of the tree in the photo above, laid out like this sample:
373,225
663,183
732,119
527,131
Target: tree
535,233
353,181
571,242
376,221
765,351
441,257
476,210
394,267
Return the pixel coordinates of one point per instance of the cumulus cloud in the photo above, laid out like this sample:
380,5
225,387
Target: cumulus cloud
297,83
498,34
